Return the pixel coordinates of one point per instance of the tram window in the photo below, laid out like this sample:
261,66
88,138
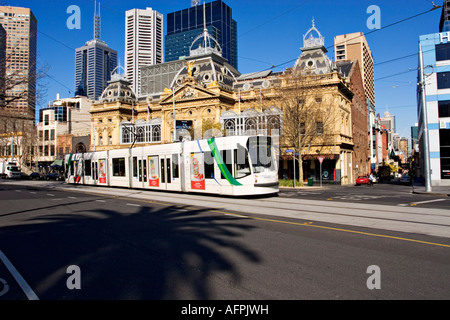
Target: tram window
242,165
260,149
209,165
135,168
175,172
87,167
226,156
118,167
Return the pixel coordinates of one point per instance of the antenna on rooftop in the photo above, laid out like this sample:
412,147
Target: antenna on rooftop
97,22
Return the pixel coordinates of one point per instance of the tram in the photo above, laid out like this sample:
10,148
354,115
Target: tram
234,166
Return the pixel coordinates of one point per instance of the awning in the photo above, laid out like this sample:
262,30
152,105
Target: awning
325,156
57,163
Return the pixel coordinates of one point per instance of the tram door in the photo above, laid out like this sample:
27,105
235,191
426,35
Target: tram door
139,172
94,171
169,172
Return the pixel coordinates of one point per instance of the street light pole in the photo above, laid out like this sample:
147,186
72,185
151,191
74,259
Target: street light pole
426,141
174,121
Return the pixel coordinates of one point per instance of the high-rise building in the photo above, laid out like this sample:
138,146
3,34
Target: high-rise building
354,46
388,120
20,29
433,107
2,65
185,25
94,64
444,24
143,42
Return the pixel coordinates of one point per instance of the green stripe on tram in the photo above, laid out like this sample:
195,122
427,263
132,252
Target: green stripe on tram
218,157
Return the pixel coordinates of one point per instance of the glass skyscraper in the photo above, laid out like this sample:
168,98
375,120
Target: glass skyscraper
185,25
94,63
18,54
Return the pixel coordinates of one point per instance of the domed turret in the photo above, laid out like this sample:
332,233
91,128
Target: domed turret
118,89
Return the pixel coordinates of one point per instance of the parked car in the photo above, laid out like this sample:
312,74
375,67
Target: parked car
362,180
35,176
23,175
54,176
405,179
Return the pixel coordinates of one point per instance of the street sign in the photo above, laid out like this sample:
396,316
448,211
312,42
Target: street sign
321,159
289,150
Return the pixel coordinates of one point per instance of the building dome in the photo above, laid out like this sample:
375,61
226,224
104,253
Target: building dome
314,59
118,89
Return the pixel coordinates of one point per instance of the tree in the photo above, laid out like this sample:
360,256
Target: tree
308,117
16,124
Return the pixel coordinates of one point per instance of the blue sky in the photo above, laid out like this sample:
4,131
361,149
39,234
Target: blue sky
269,32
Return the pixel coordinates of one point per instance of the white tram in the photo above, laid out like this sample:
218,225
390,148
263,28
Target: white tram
236,166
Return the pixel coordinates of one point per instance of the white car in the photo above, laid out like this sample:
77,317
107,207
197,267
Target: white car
405,179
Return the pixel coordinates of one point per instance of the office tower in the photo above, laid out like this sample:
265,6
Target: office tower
143,42
185,25
444,24
433,107
94,63
354,46
2,65
388,120
20,27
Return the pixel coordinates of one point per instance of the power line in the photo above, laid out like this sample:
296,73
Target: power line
370,32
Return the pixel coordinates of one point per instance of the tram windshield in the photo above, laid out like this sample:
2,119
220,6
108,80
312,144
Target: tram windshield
260,151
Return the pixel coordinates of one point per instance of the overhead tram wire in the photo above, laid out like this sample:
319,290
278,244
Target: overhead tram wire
370,32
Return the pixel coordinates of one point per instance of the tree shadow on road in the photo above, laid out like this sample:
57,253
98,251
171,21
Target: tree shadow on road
141,253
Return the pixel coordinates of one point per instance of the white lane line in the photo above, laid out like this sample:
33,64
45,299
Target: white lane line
33,192
235,215
72,197
50,194
20,280
100,200
428,201
133,204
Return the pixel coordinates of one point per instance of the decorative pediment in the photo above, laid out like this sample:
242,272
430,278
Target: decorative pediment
188,92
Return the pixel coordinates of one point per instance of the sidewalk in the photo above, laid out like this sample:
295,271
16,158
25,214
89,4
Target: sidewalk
435,191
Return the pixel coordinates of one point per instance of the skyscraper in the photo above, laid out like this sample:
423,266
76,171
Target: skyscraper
2,65
143,42
94,63
354,46
185,25
19,59
444,24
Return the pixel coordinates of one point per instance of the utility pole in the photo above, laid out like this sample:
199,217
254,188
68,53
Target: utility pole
426,141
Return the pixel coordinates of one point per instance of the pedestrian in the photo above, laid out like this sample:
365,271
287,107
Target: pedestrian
371,179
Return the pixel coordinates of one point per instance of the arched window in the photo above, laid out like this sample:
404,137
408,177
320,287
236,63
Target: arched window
156,133
140,134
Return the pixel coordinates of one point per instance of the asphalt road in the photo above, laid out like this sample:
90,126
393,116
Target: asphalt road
127,248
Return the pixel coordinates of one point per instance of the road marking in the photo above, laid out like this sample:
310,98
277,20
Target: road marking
50,194
33,192
133,205
72,197
20,280
237,215
100,200
428,201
